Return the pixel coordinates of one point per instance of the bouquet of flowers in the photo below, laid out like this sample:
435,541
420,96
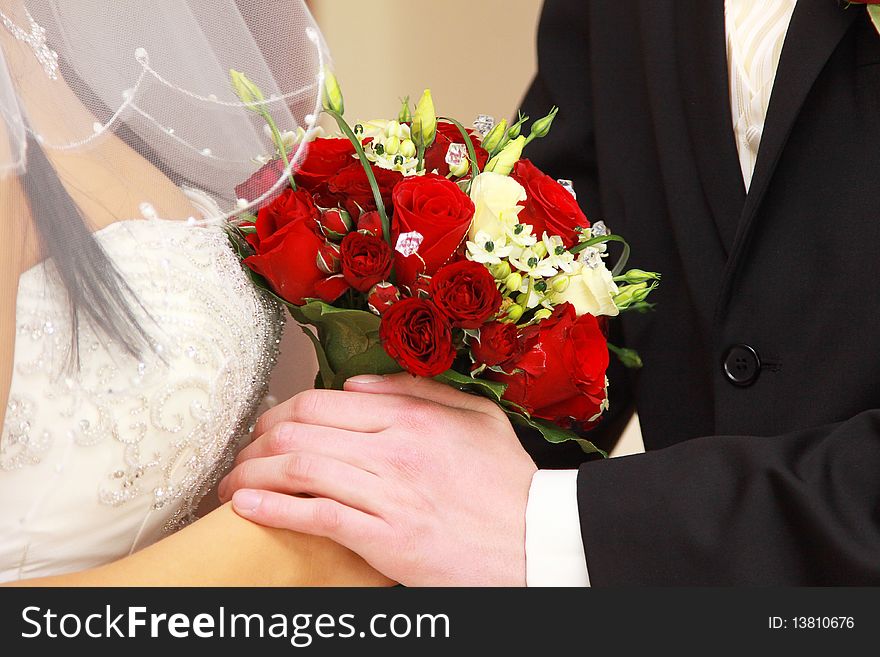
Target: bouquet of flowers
416,244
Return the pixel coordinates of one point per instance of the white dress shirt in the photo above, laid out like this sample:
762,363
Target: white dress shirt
755,31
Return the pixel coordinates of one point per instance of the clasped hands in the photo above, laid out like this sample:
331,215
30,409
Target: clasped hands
428,484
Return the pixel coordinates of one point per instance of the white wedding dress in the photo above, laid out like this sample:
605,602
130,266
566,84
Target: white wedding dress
98,462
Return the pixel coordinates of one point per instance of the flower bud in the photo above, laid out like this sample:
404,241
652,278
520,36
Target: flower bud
540,249
513,283
631,294
424,121
392,145
392,129
509,155
560,283
245,89
501,270
638,276
522,299
332,94
493,139
328,259
542,314
335,224
514,313
404,115
382,296
407,148
460,168
541,127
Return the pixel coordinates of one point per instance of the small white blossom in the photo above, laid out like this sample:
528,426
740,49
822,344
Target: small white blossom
520,234
557,254
532,264
486,250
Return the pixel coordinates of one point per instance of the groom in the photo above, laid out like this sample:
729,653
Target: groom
737,145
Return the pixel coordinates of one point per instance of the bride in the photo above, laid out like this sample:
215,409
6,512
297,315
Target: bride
133,350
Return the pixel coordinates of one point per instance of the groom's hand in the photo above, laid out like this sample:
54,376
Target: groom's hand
426,483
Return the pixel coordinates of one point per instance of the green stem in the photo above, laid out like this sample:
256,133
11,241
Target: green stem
624,257
368,169
472,153
279,143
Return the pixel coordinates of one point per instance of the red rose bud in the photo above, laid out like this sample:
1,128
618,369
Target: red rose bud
498,344
366,260
329,259
417,335
560,375
382,297
370,222
549,206
335,224
466,293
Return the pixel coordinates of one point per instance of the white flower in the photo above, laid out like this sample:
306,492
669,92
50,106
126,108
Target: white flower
532,264
590,291
496,204
488,250
557,254
521,235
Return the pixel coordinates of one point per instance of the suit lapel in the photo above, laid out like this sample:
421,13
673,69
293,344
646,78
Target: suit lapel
702,59
817,26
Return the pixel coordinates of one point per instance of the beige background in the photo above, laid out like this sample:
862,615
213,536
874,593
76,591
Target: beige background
477,56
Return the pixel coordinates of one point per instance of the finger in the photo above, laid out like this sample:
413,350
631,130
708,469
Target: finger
283,437
313,474
354,411
354,529
416,386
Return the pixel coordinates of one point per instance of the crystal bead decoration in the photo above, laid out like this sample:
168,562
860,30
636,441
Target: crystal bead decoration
456,154
36,39
567,185
599,229
408,243
484,123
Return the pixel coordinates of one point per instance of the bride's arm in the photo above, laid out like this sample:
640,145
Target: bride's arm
223,549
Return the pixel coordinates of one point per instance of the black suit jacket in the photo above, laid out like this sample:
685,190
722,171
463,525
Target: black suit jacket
778,481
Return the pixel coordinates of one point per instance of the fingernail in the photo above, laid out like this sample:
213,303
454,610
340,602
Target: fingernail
221,489
246,501
368,378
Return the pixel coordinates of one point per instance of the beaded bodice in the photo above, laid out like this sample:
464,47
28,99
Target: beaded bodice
99,461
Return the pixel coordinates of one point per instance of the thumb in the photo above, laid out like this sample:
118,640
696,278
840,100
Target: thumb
416,386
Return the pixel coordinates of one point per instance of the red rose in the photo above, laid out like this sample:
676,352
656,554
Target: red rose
561,374
366,260
371,222
382,297
438,210
289,207
466,293
549,206
351,188
417,335
447,133
261,182
288,248
323,159
499,343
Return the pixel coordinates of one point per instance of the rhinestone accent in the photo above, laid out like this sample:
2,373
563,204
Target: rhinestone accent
484,123
409,243
567,185
456,154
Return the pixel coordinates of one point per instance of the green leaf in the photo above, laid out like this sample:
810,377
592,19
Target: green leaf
325,372
874,13
349,341
489,389
553,433
629,357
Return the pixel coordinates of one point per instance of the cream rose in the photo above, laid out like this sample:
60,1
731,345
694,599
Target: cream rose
590,290
496,204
